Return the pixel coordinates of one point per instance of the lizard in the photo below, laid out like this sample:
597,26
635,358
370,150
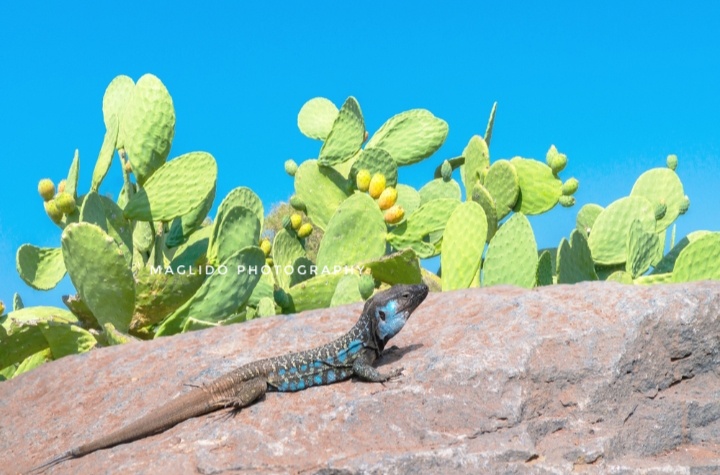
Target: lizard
353,354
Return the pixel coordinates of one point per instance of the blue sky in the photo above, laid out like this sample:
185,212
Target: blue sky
615,85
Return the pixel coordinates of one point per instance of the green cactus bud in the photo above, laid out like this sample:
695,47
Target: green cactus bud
305,230
297,203
566,201
556,160
660,210
290,167
53,212
287,224
61,185
387,198
366,286
570,187
363,180
65,202
295,221
2,307
377,185
281,298
46,188
446,170
672,162
394,214
266,246
684,205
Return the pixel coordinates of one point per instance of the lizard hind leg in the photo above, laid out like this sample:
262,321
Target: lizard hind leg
246,393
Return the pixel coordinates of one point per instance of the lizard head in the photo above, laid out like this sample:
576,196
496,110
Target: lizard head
389,310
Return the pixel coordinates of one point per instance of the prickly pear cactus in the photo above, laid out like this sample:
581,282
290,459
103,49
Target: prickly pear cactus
463,245
512,255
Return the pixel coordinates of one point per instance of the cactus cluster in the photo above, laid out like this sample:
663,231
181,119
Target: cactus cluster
152,263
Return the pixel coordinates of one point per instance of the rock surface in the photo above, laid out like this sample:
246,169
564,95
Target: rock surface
591,378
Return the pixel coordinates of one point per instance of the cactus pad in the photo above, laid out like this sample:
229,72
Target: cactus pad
661,185
700,260
463,243
545,268
322,189
410,136
608,238
408,198
316,292
40,267
477,158
429,218
238,228
73,175
355,233
512,256
586,218
117,95
346,135
438,189
539,188
286,250
99,271
346,291
574,260
185,225
482,196
643,249
503,183
194,173
490,124
375,160
107,151
316,117
397,268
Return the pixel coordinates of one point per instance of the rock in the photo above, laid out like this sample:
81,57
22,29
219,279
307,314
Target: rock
593,378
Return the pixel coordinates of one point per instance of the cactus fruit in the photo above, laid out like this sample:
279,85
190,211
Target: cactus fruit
266,246
53,212
570,187
295,221
672,162
305,230
297,203
375,160
291,167
566,201
377,185
555,160
684,205
2,308
446,170
362,180
394,214
660,210
65,202
46,188
61,185
387,198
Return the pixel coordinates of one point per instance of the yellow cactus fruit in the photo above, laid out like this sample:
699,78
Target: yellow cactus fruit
53,212
265,246
127,166
269,261
394,215
2,307
362,180
65,202
295,221
305,230
61,185
387,198
46,188
377,185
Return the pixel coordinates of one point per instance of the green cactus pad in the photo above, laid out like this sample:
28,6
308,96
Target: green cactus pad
286,250
574,260
185,225
322,189
463,243
103,212
107,151
661,185
539,188
408,198
512,255
73,175
263,289
366,286
143,236
620,276
355,233
410,136
266,307
446,170
316,118
570,187
18,302
117,95
220,294
655,279
345,137
238,228
99,271
303,269
643,249
397,268
147,127
482,196
490,124
346,291
40,267
608,238
700,260
586,218
429,218
240,196
439,189
375,160
477,159
195,174
503,183
313,293
545,269
65,340
667,263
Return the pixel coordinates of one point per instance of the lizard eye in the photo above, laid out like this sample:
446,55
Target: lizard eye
381,314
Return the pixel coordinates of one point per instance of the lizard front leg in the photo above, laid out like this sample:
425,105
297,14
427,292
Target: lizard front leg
363,370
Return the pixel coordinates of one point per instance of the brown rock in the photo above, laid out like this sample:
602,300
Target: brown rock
591,378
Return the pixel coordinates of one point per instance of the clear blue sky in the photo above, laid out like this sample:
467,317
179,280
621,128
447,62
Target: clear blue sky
615,85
